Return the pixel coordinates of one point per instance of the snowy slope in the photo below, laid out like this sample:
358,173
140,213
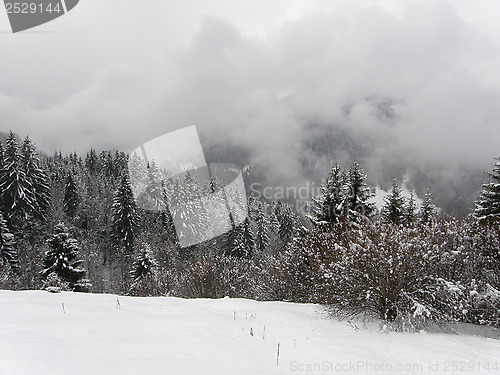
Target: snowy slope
94,334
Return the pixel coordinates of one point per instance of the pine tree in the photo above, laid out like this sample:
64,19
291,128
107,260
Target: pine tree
393,209
488,205
125,219
16,190
427,209
8,254
331,203
358,193
410,210
62,258
37,178
71,196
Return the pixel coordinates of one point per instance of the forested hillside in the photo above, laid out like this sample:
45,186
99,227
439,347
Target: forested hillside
72,222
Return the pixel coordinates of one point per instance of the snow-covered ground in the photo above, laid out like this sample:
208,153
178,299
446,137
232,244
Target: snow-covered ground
72,333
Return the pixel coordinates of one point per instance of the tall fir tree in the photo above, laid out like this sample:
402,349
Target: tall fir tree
37,177
71,199
428,209
2,151
92,162
125,218
287,222
152,197
8,253
16,190
393,210
358,193
243,241
488,205
410,210
63,257
331,203
262,227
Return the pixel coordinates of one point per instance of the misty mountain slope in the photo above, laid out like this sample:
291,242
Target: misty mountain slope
454,187
71,333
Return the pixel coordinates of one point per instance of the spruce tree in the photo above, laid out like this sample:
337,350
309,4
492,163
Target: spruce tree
144,263
488,205
152,197
37,178
243,241
393,210
138,172
71,196
125,219
62,258
262,224
331,203
358,193
16,190
427,209
410,210
2,151
92,162
287,222
8,253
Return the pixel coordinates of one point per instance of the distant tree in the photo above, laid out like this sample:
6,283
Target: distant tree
125,219
410,210
393,209
287,222
63,255
2,151
488,205
262,224
37,177
8,253
428,208
152,198
71,196
107,164
358,193
138,172
92,162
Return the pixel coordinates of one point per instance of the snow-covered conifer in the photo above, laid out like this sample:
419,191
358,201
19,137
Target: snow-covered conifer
62,258
488,204
393,209
125,219
71,196
428,208
8,253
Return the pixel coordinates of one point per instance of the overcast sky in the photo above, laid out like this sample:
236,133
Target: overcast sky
112,73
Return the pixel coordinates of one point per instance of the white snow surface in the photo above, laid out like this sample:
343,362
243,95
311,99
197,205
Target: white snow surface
77,333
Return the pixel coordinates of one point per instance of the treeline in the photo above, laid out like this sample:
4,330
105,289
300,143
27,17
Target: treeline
74,223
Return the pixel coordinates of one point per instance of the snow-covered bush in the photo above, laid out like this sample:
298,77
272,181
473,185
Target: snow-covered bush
218,276
410,274
55,284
